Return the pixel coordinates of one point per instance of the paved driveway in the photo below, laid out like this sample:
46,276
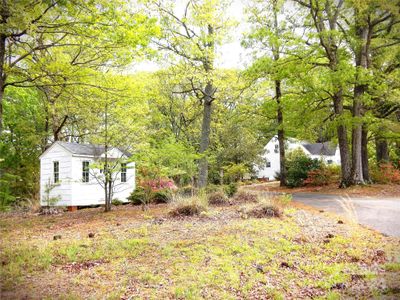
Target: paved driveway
382,214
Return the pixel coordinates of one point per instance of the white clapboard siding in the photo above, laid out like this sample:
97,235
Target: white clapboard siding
71,190
62,190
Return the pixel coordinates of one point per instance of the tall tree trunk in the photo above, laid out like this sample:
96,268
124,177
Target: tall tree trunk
107,176
205,136
361,60
343,142
281,133
357,169
2,78
382,149
364,152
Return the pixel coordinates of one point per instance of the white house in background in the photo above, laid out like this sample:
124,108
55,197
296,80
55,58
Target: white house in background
66,167
326,152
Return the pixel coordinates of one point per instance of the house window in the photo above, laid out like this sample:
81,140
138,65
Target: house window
123,172
85,171
268,164
330,161
56,171
276,150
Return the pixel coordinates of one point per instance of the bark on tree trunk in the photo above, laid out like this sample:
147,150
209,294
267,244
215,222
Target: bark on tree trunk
2,77
205,136
357,169
364,152
361,60
281,134
382,150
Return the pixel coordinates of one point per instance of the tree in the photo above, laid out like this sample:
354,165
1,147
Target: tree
126,97
272,34
97,34
192,37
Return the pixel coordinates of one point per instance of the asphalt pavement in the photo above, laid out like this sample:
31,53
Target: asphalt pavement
381,214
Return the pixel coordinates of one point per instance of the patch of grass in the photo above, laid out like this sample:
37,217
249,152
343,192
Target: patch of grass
393,267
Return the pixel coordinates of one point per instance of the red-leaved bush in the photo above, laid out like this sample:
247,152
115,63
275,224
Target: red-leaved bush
322,176
156,185
385,173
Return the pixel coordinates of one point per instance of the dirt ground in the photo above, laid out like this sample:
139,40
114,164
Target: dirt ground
221,254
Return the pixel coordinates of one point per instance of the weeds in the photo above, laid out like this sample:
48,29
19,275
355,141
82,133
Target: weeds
217,198
188,206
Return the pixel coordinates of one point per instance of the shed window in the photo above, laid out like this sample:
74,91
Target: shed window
123,172
56,171
268,164
330,161
85,171
276,150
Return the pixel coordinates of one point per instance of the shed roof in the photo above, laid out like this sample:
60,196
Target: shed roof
326,149
86,149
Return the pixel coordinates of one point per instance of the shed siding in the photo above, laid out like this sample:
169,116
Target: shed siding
274,159
91,193
63,189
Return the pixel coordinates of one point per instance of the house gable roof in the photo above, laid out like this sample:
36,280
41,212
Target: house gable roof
84,149
326,149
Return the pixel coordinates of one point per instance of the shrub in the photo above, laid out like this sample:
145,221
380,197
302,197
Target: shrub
217,198
213,188
187,206
116,202
298,165
161,196
138,196
245,197
322,176
264,210
187,191
230,189
385,173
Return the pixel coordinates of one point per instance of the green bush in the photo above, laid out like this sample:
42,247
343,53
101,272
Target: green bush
6,197
161,196
188,191
138,196
116,202
213,188
230,189
298,166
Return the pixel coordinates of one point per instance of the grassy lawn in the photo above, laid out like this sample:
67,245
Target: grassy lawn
221,254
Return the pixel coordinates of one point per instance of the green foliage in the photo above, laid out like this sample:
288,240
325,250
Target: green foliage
141,196
162,196
235,172
187,191
47,199
298,165
324,175
231,189
116,202
137,196
6,197
385,173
